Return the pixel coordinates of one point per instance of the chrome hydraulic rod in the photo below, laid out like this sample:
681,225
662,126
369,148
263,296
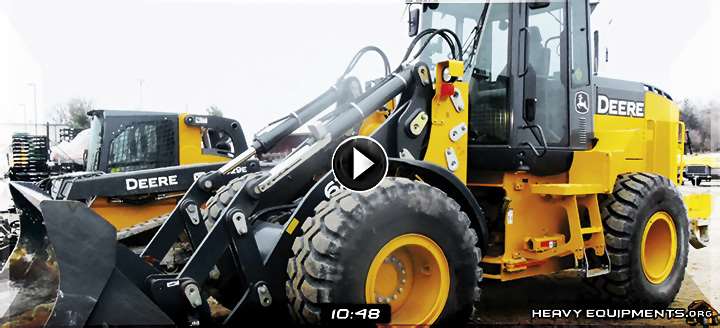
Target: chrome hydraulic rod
267,139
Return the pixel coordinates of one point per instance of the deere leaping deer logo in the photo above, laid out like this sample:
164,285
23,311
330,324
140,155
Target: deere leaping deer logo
582,102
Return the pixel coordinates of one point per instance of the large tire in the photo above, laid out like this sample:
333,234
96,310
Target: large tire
331,260
637,199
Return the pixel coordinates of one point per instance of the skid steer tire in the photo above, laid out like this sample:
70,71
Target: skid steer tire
217,203
349,234
644,209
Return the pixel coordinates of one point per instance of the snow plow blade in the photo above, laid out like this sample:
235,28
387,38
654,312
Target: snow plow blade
62,272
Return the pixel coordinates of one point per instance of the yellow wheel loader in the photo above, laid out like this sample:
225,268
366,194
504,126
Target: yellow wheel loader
506,158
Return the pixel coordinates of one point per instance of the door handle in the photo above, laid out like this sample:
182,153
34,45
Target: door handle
523,40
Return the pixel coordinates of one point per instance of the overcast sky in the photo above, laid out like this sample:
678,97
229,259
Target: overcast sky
257,60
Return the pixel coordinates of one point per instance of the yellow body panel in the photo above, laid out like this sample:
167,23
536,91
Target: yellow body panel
124,216
372,122
681,158
190,145
699,206
625,145
444,119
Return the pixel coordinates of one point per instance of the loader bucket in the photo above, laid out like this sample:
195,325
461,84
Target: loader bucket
60,265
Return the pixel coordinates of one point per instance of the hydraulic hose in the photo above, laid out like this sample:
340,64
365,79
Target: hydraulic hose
446,34
267,139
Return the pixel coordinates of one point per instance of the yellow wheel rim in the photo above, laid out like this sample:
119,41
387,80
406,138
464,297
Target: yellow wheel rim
411,274
659,247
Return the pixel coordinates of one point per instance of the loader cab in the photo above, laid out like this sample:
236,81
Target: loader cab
529,76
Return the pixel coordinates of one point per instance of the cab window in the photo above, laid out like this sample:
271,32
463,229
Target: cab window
143,145
490,80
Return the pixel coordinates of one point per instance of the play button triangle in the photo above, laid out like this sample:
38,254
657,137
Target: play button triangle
360,163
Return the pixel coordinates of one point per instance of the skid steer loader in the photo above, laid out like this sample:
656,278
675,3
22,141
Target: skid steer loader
507,160
139,163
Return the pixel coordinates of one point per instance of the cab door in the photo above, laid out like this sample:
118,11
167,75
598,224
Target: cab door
532,114
556,108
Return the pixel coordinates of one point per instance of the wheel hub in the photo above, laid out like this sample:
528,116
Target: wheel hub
658,248
412,275
392,266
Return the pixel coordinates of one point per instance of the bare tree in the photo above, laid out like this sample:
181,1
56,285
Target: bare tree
700,118
214,110
73,113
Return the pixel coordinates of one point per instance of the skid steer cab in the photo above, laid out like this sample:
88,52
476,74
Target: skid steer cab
507,159
125,141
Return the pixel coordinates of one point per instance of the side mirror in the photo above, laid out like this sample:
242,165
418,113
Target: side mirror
413,22
538,4
596,52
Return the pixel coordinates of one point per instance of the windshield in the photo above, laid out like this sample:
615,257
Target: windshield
93,152
459,18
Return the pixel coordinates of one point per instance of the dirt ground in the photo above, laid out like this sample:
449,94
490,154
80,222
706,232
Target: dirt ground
511,303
